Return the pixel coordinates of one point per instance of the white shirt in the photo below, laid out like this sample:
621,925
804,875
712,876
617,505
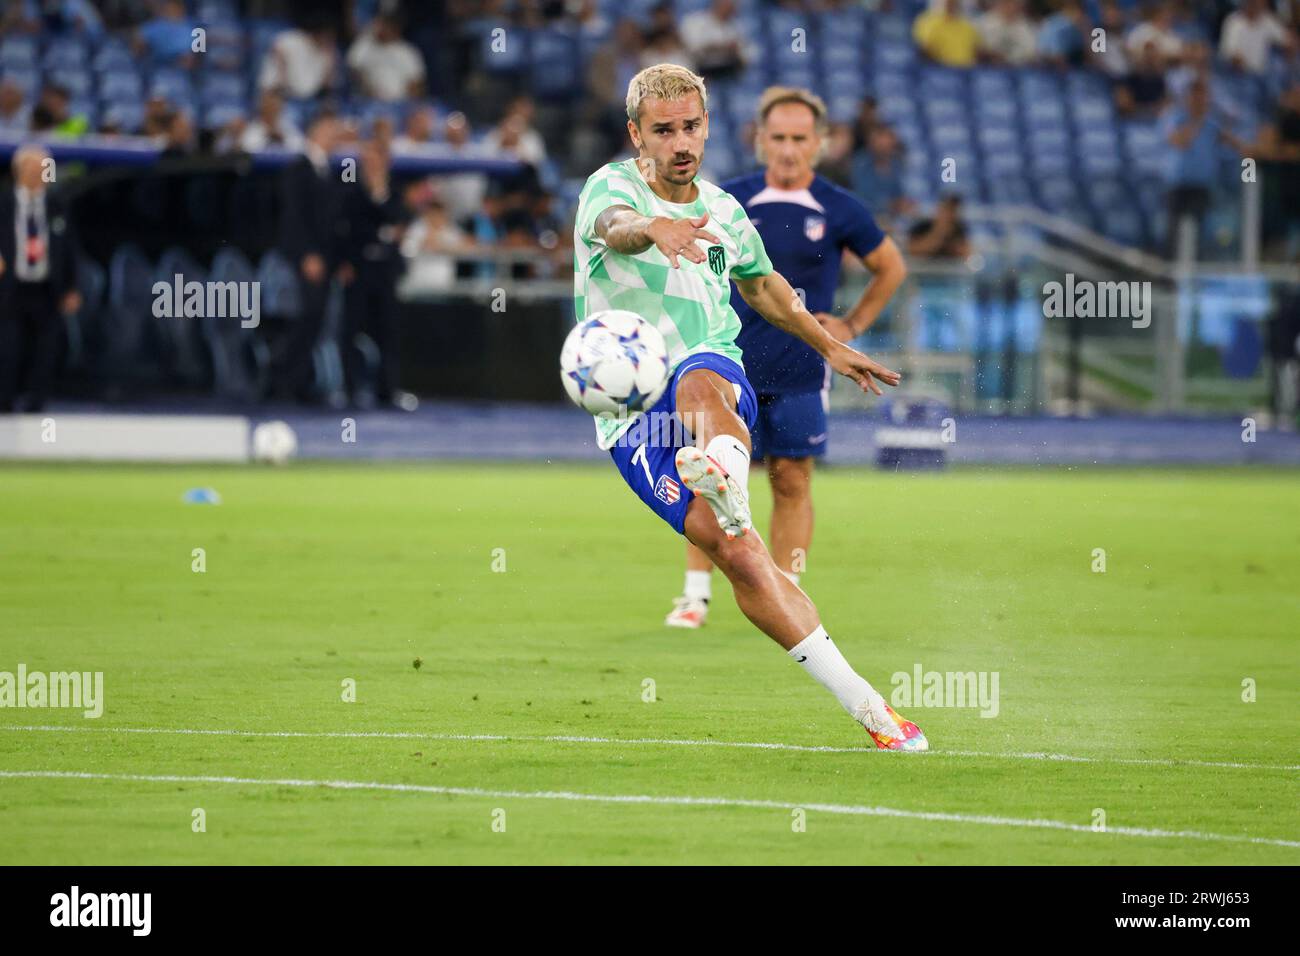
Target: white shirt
30,204
388,69
1168,43
702,30
1013,40
1251,40
257,136
529,148
296,65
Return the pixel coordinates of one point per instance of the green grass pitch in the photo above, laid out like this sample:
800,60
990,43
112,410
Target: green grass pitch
317,574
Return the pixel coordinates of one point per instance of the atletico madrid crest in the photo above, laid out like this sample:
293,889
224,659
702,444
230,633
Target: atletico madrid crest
667,490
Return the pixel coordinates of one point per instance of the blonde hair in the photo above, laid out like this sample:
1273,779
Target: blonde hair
663,81
775,96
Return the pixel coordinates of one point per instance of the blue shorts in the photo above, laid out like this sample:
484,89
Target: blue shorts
790,425
646,453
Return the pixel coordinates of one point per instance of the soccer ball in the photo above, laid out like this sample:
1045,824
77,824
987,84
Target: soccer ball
614,360
274,443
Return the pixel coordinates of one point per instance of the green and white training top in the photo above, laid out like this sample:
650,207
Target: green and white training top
690,305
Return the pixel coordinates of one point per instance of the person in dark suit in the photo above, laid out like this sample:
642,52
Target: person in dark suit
372,225
310,217
38,282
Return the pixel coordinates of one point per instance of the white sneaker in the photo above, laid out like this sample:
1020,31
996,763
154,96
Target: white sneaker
688,612
706,478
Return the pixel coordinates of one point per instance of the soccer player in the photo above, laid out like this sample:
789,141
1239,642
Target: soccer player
652,238
806,223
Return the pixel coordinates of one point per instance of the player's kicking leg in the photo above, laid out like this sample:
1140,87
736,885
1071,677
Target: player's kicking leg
716,471
787,421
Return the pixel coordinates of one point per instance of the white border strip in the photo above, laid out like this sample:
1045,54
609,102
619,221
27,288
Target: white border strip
648,741
629,798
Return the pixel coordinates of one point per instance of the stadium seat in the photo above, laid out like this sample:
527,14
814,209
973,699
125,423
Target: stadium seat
1124,224
1092,111
843,107
1004,163
66,53
998,138
896,27
950,136
988,83
944,109
1107,193
910,133
894,55
554,66
173,86
220,115
239,360
842,26
995,110
893,107
28,80
223,88
78,82
1009,190
942,82
1046,111
182,359
211,12
130,305
118,84
113,54
127,116
19,52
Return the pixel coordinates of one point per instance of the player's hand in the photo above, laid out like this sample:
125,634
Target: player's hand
840,328
862,369
677,237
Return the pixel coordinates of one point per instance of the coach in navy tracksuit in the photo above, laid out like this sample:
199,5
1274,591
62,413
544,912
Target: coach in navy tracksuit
807,223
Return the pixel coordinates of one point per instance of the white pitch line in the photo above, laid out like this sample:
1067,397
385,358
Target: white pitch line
653,741
637,798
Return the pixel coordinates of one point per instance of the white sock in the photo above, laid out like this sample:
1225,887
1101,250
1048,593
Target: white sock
730,452
826,665
794,578
699,585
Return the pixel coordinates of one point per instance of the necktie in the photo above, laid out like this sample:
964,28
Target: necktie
35,248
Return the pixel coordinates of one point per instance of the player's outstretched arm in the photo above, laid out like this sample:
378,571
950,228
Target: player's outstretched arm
625,230
772,297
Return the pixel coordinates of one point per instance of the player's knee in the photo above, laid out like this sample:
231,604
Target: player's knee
790,479
743,560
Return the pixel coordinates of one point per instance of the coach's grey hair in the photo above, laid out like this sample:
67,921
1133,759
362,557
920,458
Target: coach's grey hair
663,81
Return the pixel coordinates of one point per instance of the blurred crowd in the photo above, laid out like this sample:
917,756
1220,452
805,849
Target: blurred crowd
526,97
414,76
